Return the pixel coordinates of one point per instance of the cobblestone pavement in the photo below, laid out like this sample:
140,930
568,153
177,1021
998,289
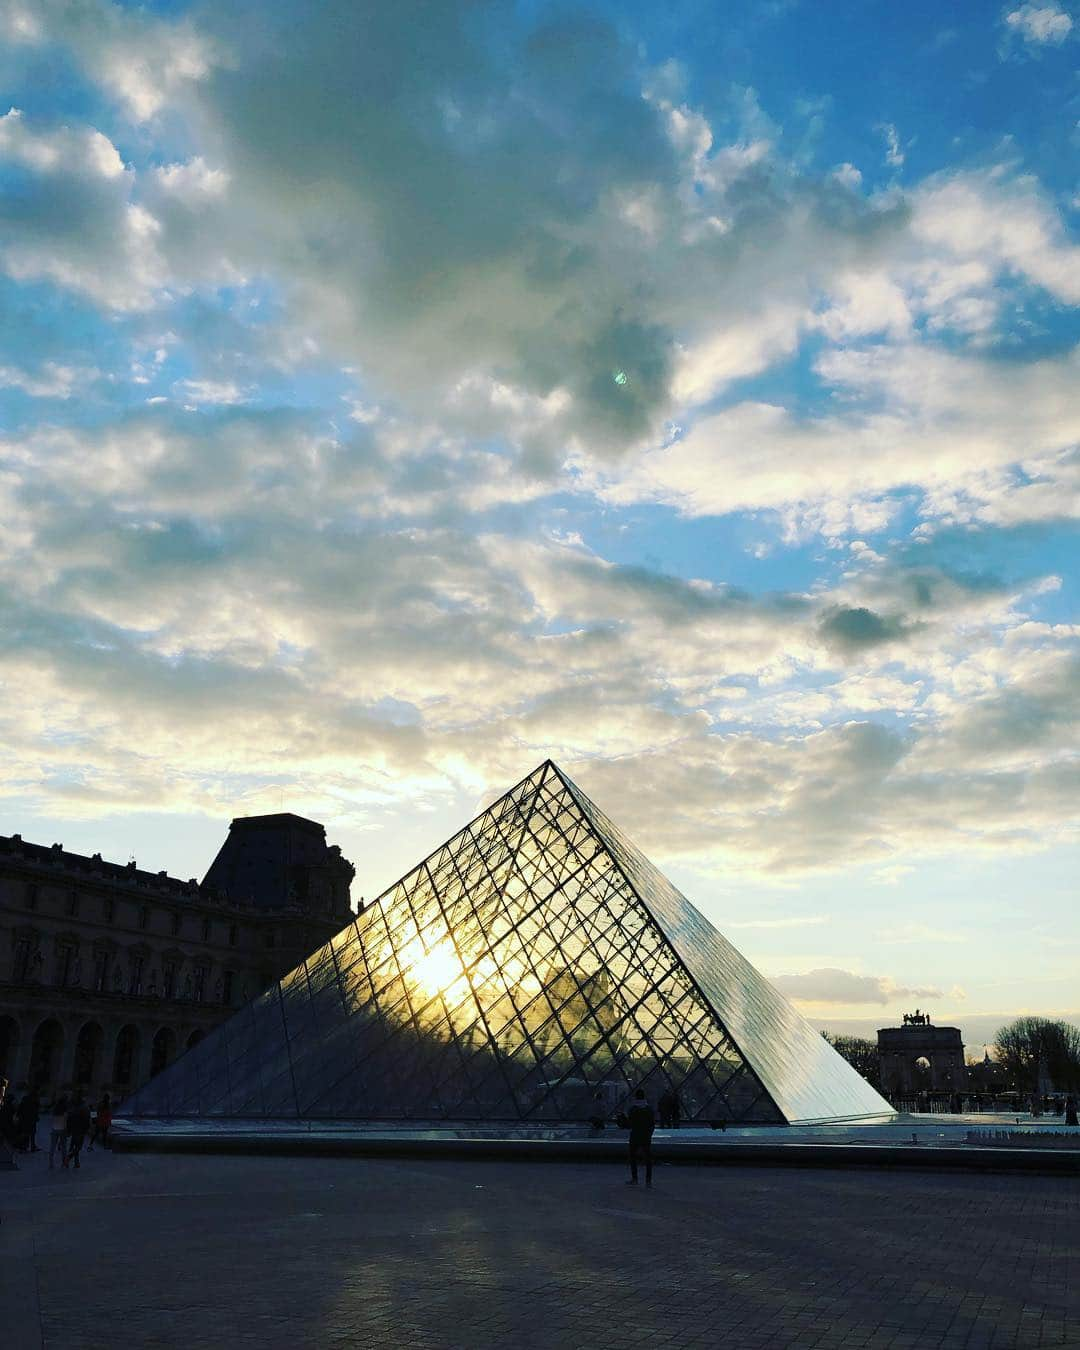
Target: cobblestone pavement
203,1251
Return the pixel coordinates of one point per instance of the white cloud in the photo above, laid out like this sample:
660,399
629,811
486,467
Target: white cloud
1002,222
848,174
192,181
142,61
83,150
832,985
1040,24
956,426
78,224
894,154
52,380
199,392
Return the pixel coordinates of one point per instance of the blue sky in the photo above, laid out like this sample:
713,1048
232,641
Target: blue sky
392,397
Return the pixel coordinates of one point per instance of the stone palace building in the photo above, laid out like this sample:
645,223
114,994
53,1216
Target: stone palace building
108,972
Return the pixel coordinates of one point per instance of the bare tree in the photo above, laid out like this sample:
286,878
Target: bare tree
1029,1043
861,1054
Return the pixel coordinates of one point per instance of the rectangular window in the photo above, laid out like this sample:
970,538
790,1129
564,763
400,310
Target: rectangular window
227,987
21,968
232,935
65,966
206,930
31,895
200,984
73,903
144,916
101,972
135,981
168,979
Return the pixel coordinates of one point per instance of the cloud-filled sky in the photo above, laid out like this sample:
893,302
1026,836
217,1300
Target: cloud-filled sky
393,395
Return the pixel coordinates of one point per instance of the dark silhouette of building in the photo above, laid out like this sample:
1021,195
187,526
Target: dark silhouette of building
109,972
921,1057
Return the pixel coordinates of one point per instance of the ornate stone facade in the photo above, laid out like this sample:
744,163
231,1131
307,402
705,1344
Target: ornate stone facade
108,972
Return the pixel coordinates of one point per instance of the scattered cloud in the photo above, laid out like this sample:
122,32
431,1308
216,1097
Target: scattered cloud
670,444
830,985
51,380
894,154
1040,25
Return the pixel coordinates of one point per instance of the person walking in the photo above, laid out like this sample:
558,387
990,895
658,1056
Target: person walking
102,1121
58,1129
78,1122
642,1123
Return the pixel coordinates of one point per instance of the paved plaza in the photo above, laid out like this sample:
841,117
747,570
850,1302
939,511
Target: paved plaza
209,1251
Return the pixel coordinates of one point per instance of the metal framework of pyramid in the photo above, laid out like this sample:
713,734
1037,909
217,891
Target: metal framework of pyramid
535,968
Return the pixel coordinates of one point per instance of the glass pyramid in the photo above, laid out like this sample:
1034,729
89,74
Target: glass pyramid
537,967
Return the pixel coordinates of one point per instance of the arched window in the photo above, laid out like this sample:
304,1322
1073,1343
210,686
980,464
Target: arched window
88,1055
45,1054
163,1050
127,1045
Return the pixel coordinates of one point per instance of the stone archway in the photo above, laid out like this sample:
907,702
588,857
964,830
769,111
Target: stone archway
88,1049
45,1052
127,1049
10,1035
163,1050
194,1039
921,1057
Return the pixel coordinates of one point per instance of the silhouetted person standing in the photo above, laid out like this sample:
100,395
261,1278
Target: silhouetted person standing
642,1123
1070,1110
78,1122
58,1129
7,1114
101,1124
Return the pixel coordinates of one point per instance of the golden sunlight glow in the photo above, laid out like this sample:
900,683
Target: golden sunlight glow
436,969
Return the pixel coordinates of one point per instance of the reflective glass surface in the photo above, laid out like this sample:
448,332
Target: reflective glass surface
535,968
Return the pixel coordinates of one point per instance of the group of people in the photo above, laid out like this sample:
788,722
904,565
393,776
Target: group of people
71,1121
